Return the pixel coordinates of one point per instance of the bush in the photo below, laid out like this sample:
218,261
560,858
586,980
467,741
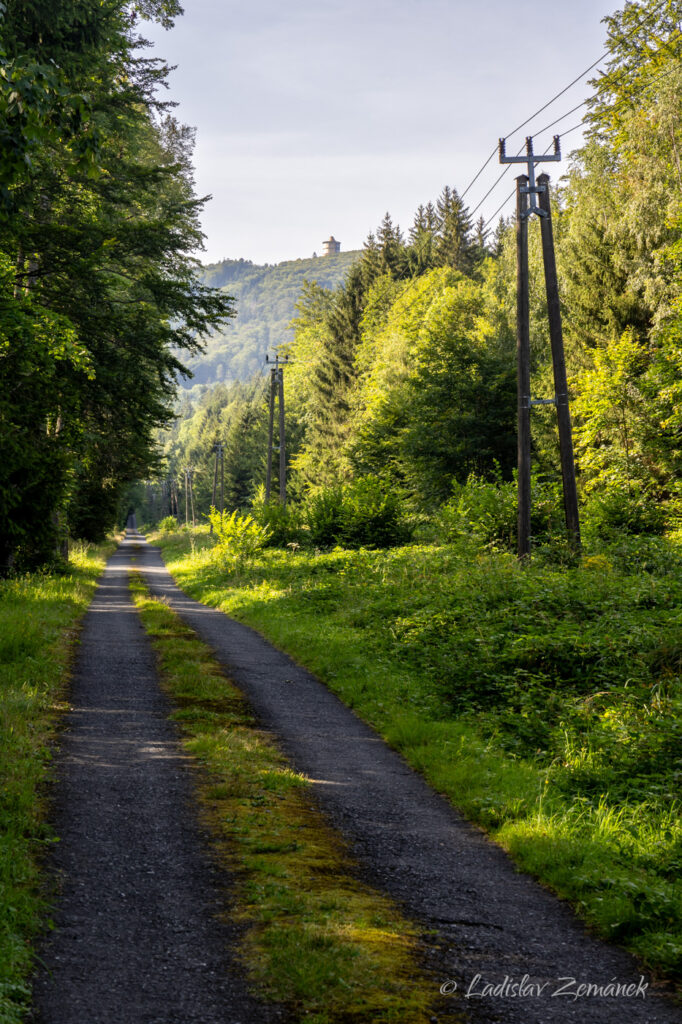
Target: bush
372,515
168,525
283,522
323,513
485,511
621,511
360,514
238,538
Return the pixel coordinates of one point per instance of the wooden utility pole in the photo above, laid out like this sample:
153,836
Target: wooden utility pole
533,198
523,367
222,480
215,483
189,496
271,429
559,364
282,454
218,449
277,388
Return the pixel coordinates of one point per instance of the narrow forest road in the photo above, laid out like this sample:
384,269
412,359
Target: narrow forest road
137,939
491,925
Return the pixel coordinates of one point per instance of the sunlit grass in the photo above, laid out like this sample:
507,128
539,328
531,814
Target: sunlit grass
545,702
39,616
315,936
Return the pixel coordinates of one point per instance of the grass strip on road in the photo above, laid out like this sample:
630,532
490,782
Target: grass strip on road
315,936
39,617
545,702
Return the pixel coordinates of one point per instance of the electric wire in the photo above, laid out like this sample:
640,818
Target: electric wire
606,53
478,173
657,78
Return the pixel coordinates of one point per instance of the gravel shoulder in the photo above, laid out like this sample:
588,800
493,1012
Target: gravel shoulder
508,950
141,931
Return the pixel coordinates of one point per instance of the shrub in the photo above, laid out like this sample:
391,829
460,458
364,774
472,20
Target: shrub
323,513
482,510
611,513
360,514
372,515
168,525
283,522
238,538
485,511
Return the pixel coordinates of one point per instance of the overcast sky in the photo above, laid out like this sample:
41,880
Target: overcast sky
315,117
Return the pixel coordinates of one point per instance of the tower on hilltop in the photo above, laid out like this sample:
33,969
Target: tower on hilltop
331,247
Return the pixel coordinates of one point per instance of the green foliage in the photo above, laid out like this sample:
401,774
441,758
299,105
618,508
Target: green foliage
621,510
406,369
364,513
324,516
98,291
372,515
238,538
484,512
168,524
283,522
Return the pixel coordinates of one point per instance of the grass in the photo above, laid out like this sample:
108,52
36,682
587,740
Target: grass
315,937
39,616
544,702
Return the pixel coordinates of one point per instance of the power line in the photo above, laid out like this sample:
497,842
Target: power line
606,53
500,207
478,173
558,120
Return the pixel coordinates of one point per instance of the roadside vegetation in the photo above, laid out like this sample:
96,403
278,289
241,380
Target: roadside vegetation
315,937
39,616
543,700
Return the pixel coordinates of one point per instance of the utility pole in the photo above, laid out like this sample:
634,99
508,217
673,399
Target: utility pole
559,365
271,426
215,483
189,496
522,368
222,479
533,198
277,388
218,449
282,454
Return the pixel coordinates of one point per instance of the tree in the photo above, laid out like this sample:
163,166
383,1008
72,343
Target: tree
99,228
453,239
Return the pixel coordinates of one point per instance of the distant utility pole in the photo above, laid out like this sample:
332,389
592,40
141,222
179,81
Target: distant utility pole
276,389
189,495
218,449
533,198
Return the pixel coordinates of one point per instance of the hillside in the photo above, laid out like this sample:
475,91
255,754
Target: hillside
265,298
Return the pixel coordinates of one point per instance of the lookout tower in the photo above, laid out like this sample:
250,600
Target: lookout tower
331,247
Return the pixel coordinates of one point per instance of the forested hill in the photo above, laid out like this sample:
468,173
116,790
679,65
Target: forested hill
266,297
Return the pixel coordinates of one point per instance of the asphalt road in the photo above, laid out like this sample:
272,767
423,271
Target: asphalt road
137,938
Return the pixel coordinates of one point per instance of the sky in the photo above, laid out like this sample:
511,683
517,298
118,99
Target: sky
316,117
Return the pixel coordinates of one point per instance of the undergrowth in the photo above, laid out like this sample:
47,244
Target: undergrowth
315,937
39,616
543,701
